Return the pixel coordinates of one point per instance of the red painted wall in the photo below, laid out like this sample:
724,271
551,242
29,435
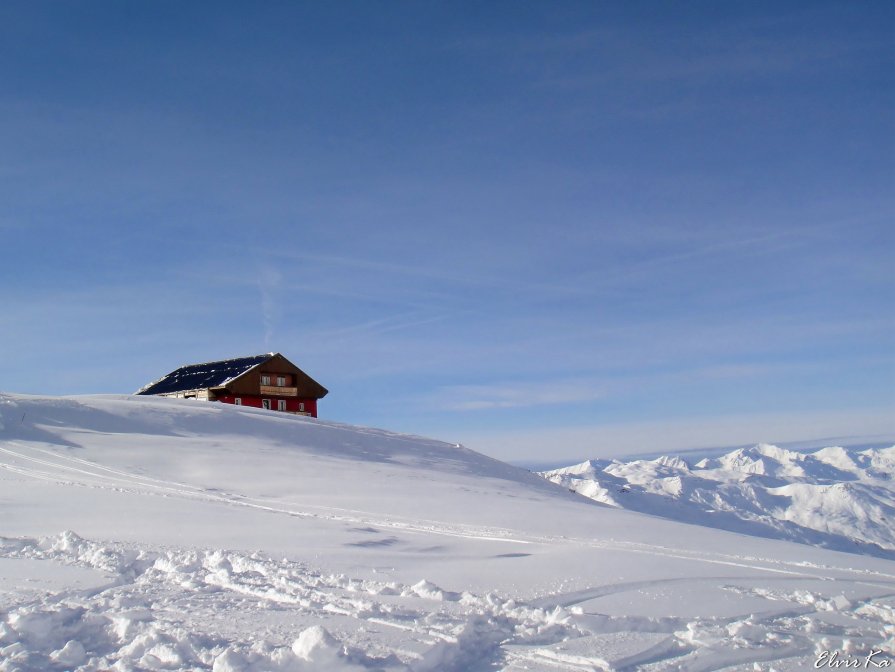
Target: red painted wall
292,403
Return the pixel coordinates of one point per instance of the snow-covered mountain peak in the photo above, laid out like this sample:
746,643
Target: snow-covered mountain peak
672,462
882,462
781,455
585,469
759,460
836,456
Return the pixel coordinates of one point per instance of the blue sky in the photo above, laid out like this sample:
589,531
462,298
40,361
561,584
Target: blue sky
549,230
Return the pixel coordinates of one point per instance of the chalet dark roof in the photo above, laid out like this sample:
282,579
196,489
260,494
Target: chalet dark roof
202,376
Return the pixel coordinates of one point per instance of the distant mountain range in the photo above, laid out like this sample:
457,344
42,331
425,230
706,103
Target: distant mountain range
837,498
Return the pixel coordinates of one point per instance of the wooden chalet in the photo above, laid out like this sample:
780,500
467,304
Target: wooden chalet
264,381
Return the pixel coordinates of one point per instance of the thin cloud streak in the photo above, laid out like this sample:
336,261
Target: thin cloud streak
449,277
521,395
270,282
587,390
756,245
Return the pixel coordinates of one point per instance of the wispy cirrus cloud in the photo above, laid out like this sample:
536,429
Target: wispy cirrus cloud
739,47
516,395
581,390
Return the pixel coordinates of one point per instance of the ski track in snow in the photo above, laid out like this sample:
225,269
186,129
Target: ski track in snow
149,615
65,473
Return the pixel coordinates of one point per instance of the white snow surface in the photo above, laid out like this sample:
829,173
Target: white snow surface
153,534
836,498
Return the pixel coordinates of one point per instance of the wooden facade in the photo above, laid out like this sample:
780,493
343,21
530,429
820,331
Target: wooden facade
264,381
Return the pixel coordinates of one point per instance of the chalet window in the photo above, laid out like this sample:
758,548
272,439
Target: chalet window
281,405
265,379
301,406
265,403
281,381
238,401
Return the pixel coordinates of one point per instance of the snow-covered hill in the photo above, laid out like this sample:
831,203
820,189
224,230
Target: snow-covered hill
833,497
152,534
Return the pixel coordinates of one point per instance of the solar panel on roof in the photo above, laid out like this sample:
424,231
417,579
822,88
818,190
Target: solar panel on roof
203,376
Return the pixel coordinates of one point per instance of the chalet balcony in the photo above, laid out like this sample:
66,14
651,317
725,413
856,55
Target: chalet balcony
276,391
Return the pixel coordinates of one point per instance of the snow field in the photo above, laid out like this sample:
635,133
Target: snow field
214,538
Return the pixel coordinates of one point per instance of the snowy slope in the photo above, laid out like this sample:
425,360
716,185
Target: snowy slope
833,497
144,534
